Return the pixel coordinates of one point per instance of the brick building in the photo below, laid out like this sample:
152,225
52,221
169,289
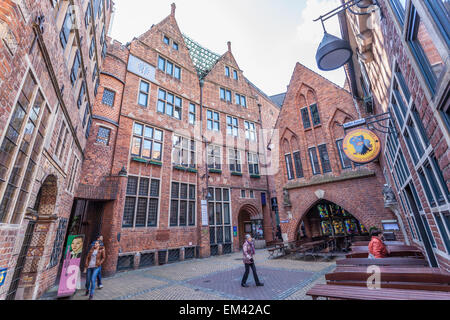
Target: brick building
401,66
320,191
174,124
50,56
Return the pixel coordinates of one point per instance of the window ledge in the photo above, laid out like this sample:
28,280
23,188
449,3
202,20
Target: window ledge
233,173
255,176
142,160
182,168
215,171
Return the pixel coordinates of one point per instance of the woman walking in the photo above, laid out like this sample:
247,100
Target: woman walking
94,260
248,250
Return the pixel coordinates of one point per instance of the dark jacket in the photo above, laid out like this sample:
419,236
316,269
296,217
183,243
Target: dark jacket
99,259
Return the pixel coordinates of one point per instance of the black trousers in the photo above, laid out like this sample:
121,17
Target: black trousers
247,269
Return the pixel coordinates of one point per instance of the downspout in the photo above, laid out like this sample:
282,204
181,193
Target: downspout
267,176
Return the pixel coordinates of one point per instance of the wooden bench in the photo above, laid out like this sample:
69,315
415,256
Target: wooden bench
399,262
392,253
408,278
279,247
366,243
362,293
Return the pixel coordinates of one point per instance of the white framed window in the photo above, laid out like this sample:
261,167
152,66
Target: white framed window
213,120
234,157
184,152
214,157
232,126
250,130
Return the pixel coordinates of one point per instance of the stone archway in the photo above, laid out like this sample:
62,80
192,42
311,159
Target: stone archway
250,220
327,219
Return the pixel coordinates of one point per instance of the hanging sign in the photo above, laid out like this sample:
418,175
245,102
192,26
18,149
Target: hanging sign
3,276
361,146
71,273
204,213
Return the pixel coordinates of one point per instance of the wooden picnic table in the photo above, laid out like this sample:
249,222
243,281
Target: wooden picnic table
393,252
279,246
390,247
364,293
399,262
397,278
391,269
366,243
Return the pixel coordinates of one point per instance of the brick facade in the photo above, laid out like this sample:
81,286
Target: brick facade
32,45
126,111
357,190
390,54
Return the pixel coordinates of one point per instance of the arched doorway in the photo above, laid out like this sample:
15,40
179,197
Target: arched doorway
327,220
34,242
250,221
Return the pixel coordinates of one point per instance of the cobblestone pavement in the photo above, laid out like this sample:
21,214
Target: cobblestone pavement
214,278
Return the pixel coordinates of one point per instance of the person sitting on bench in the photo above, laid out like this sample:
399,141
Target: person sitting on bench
377,248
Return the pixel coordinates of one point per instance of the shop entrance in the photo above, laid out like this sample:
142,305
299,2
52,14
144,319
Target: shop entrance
250,222
330,222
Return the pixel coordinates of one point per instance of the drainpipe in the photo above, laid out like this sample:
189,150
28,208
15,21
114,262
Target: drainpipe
267,176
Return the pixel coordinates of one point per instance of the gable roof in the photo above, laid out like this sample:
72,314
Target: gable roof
278,99
204,59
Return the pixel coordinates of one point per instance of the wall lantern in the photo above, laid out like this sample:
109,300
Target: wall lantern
334,52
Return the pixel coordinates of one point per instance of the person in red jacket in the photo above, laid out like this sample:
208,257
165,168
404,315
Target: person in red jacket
377,248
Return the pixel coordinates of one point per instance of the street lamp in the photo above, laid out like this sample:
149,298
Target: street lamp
334,52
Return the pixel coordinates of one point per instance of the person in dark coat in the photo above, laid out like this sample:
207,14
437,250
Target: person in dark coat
248,251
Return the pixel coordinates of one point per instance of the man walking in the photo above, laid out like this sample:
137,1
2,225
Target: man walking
248,250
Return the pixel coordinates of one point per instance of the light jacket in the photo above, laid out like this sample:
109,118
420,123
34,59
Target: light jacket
377,248
248,250
99,259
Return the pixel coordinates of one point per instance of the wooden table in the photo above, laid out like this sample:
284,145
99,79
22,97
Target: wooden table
281,246
361,293
399,262
366,243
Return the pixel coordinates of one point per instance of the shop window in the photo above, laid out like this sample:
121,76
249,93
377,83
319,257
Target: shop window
219,213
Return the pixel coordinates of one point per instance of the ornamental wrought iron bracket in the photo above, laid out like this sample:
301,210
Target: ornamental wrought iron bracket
373,123
348,5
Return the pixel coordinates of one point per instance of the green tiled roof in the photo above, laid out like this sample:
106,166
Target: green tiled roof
203,59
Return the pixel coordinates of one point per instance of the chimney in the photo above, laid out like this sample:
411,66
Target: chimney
229,46
173,9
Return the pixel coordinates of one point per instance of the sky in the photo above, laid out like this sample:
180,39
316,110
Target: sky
268,37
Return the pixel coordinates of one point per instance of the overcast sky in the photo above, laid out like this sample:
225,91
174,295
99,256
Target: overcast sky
268,36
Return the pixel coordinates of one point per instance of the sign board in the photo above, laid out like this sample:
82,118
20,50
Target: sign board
204,213
361,146
141,68
71,273
3,276
284,221
355,123
234,231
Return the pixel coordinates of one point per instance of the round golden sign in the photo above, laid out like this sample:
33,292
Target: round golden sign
361,146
